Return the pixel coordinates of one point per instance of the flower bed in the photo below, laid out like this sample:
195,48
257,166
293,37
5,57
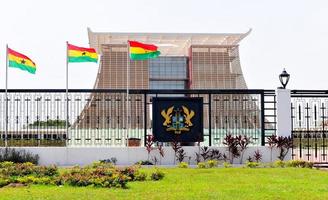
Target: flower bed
97,174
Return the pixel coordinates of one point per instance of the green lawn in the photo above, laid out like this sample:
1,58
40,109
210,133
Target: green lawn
229,183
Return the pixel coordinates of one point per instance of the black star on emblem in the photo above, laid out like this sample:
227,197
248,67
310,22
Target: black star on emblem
83,53
23,61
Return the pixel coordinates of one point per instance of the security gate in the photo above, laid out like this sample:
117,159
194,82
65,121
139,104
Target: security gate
310,125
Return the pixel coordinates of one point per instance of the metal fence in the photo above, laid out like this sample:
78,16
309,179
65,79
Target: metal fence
310,125
109,117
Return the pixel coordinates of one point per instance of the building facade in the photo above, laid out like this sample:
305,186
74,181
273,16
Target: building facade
187,61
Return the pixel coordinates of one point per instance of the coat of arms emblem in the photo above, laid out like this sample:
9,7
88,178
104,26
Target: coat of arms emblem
177,119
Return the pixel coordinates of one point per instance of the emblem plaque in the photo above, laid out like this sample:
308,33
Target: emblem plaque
178,119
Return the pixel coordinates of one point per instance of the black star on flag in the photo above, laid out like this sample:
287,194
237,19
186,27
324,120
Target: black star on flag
84,53
23,61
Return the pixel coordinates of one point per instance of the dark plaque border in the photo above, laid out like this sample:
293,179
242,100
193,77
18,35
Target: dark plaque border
157,123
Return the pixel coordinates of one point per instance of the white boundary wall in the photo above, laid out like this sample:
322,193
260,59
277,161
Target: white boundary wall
68,156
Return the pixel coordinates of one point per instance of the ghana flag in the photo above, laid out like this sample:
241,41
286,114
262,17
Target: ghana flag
81,54
140,51
20,61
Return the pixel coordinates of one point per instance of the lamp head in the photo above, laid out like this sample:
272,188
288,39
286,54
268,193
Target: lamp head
284,78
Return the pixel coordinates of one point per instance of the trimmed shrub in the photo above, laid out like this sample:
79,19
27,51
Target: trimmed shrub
6,164
227,165
140,176
24,169
299,163
52,170
252,164
212,163
183,165
309,165
19,169
26,173
3,182
77,179
100,164
157,175
43,180
101,176
129,172
98,175
121,181
25,179
201,165
279,163
89,176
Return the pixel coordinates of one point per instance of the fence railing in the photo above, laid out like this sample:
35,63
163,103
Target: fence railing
310,125
103,117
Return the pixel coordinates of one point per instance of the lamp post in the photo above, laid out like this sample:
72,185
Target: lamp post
284,78
283,107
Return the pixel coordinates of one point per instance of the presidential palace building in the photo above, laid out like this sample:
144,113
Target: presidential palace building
188,61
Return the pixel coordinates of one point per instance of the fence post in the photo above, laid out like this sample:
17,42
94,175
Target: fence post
262,120
284,125
209,119
145,118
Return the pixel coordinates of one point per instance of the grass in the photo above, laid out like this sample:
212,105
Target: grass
226,183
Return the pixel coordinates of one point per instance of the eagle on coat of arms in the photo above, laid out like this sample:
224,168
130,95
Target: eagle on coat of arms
177,119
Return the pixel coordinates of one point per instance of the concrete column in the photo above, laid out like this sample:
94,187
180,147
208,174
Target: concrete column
284,126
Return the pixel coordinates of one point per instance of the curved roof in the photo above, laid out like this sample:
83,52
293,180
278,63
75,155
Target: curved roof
173,44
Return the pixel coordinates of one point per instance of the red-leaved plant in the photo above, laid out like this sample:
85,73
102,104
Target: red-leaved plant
161,152
232,143
236,146
243,142
283,143
149,144
272,142
181,155
257,155
176,147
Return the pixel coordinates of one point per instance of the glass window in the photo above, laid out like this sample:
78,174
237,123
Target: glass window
167,84
168,67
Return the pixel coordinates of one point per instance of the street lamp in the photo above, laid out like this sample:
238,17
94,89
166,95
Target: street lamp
284,78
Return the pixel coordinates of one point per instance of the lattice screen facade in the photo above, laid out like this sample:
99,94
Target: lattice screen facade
208,65
216,67
113,75
113,69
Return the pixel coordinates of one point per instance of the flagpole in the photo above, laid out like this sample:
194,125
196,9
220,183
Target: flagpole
66,124
6,96
127,93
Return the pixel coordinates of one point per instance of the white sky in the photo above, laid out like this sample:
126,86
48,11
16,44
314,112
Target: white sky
286,33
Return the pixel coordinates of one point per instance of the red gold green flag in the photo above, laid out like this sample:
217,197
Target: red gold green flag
20,61
81,54
140,51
